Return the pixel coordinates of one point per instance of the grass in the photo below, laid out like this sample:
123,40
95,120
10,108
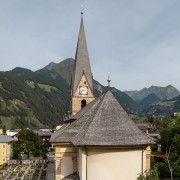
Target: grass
14,106
46,88
165,104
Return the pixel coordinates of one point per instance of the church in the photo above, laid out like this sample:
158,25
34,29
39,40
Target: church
98,140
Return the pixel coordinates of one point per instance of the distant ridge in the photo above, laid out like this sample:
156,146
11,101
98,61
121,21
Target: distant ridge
163,93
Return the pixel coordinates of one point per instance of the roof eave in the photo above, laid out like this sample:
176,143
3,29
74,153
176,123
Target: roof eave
118,146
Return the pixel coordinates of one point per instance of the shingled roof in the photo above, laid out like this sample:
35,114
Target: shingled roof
103,122
5,138
82,65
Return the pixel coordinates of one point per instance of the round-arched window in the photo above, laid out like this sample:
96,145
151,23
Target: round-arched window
83,103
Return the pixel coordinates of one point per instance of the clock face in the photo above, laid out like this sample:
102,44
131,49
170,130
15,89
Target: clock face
83,90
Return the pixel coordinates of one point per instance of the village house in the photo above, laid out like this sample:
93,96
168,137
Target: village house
5,148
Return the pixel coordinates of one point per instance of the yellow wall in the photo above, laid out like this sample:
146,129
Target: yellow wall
5,152
77,98
65,160
1,131
148,158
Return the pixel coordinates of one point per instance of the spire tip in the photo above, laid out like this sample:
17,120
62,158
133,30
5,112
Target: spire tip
82,10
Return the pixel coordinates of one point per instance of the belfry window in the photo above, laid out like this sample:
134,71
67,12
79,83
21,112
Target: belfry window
83,103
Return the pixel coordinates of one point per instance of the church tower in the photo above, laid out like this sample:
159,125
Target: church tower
82,81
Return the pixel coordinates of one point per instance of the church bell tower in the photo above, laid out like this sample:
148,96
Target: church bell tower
82,81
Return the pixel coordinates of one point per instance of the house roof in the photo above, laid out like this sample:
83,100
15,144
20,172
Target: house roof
43,133
5,138
82,64
103,122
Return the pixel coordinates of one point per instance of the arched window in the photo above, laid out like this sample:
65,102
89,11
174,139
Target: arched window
83,103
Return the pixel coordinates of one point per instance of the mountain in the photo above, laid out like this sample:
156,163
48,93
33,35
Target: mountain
162,108
32,99
65,69
42,98
155,100
50,66
152,98
163,93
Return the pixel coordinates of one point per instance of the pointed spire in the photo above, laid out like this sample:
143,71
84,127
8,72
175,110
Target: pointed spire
82,64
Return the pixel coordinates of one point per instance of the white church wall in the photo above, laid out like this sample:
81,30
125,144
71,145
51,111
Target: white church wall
122,165
82,164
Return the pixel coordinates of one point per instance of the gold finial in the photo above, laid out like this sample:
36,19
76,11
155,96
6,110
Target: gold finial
109,79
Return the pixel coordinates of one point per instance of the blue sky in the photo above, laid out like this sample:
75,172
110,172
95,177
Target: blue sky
137,41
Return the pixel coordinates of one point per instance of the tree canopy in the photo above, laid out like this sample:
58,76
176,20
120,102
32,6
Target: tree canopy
29,143
169,129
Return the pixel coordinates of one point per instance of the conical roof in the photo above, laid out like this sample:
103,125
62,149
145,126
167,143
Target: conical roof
103,122
82,64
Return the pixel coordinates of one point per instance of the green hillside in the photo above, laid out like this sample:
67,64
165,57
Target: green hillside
64,68
42,98
32,99
163,108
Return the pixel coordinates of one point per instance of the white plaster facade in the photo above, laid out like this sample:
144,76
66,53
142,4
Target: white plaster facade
111,164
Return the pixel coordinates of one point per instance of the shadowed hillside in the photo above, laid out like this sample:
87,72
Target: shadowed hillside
42,98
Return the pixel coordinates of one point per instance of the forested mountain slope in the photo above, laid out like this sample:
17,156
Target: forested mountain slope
42,98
